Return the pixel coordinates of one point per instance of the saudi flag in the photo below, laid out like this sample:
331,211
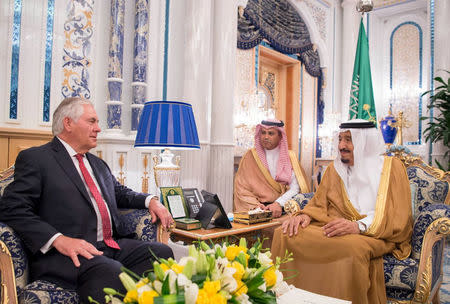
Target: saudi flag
362,104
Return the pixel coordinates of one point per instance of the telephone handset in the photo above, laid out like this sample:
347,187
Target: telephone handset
194,201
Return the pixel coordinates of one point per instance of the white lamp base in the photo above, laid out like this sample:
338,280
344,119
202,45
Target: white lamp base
167,174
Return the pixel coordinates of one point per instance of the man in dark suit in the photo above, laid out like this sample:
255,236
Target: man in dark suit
63,204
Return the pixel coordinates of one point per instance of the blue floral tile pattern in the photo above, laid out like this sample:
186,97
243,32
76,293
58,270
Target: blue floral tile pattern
78,30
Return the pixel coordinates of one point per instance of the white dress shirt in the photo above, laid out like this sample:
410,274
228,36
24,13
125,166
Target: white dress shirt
272,161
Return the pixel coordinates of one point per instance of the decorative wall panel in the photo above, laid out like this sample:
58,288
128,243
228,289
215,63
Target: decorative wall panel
406,77
319,15
48,60
115,65
140,61
78,30
15,59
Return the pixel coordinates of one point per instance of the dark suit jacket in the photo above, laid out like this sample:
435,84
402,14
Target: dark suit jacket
48,196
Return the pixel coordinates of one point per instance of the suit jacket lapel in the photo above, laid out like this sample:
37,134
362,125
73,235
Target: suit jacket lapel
65,161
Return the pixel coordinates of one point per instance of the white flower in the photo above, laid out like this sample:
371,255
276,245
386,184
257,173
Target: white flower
279,275
183,261
243,299
158,286
263,287
143,288
183,280
264,259
224,274
190,293
281,288
115,300
172,281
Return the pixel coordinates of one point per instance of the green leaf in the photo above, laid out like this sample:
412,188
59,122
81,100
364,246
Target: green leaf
165,289
199,279
170,299
260,297
159,272
188,269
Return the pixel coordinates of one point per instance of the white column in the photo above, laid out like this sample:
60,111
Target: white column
220,177
441,57
197,85
350,27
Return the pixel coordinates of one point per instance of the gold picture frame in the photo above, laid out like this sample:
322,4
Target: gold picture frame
173,199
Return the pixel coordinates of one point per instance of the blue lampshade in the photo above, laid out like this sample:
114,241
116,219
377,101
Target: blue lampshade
167,124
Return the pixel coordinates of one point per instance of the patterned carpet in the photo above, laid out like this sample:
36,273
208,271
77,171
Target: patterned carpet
445,289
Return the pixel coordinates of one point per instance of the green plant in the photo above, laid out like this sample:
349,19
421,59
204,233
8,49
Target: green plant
438,128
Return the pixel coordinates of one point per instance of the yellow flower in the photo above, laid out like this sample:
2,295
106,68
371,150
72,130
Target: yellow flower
239,270
270,277
131,296
202,297
177,268
147,297
142,282
242,288
211,287
209,294
218,298
233,251
164,267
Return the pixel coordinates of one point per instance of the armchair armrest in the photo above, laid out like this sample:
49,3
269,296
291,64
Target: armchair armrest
303,198
139,222
13,264
431,226
422,224
8,282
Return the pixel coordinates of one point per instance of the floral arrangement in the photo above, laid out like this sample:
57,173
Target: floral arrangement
225,273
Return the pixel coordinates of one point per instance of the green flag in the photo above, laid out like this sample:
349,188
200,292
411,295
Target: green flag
362,103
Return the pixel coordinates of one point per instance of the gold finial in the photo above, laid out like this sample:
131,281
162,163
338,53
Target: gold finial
121,178
100,154
241,11
145,177
401,123
366,108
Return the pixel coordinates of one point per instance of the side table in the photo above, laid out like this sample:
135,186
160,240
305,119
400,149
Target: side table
217,235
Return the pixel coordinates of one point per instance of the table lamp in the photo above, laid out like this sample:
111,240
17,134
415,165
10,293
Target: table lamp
168,125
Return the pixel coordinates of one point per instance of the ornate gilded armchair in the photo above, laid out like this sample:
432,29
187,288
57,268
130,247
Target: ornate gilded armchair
14,270
418,278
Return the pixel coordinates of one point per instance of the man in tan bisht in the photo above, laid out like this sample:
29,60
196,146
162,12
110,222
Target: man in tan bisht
269,175
361,211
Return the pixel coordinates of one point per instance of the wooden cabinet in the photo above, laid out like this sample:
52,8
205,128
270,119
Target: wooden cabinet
12,141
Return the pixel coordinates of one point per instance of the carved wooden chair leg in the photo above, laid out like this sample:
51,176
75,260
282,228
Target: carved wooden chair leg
436,299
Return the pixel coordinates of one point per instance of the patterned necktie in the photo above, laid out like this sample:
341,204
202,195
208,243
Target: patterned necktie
106,223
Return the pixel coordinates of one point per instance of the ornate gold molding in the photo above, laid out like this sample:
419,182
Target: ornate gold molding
435,231
423,288
394,301
121,177
8,281
410,159
145,176
6,173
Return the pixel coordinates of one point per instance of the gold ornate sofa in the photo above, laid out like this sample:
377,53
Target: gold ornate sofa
418,278
14,270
